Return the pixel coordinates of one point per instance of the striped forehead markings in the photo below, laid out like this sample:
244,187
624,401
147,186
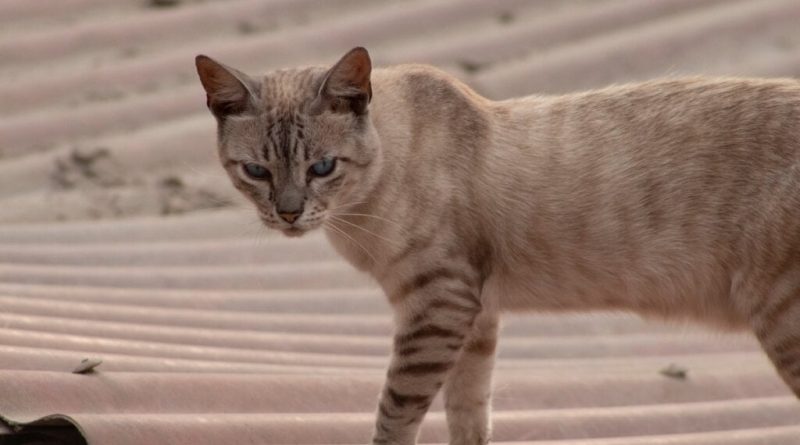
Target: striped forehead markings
301,136
286,135
285,124
273,137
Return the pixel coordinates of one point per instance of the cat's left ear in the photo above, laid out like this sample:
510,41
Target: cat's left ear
347,86
228,91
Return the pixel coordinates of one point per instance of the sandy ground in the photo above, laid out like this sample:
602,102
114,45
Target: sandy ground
122,240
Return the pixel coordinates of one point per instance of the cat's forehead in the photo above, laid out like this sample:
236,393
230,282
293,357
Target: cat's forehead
283,125
288,91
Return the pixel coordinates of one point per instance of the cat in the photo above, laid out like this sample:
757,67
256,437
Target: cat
676,198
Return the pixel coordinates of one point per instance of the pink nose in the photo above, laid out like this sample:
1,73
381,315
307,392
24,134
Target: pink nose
289,217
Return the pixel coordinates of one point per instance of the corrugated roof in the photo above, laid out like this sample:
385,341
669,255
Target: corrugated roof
122,241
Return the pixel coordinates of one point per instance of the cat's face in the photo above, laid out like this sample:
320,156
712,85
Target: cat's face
299,143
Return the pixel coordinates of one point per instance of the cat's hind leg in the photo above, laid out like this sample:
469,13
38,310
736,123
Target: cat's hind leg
467,391
776,322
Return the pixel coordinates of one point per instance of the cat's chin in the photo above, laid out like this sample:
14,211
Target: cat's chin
294,232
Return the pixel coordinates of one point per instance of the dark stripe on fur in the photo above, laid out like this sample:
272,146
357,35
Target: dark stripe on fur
427,331
424,279
381,427
771,316
452,306
424,368
409,350
385,412
401,400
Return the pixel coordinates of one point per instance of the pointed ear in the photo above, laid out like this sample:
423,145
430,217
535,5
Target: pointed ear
347,87
228,91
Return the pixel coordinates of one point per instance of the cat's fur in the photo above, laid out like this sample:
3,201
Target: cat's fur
674,198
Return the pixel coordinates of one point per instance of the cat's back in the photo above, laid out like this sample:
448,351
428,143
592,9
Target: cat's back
677,132
704,106
667,179
674,111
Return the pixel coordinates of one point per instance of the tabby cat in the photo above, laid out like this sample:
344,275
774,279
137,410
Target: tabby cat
673,198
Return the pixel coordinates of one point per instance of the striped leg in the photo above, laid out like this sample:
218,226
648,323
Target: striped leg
777,326
467,392
434,317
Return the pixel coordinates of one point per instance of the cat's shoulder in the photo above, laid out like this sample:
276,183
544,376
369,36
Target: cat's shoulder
425,83
415,71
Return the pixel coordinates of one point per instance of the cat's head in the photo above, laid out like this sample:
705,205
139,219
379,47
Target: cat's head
297,143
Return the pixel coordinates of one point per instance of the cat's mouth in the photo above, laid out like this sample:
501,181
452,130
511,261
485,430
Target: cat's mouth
287,230
299,228
294,231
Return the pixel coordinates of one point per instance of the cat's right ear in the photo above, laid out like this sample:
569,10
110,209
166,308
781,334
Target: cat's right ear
346,87
228,91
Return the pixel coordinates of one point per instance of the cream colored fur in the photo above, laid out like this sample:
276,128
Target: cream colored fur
676,198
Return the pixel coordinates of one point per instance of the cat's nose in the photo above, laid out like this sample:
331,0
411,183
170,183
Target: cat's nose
289,217
290,202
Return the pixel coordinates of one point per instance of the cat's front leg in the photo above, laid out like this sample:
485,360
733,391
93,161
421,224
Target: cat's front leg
435,314
467,391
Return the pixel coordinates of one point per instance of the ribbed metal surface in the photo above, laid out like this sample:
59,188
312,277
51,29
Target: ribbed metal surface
213,331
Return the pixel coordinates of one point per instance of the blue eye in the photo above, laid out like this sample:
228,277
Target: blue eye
323,167
256,171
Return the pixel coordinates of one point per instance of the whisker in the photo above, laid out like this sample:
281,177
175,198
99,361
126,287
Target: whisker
261,235
254,230
347,204
371,216
330,225
364,229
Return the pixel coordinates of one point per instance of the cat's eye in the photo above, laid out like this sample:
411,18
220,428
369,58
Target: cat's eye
323,167
256,171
